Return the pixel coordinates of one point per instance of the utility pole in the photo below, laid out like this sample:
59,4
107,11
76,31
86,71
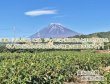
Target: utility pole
38,37
14,34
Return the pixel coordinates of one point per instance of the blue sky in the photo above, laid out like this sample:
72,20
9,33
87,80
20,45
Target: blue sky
29,16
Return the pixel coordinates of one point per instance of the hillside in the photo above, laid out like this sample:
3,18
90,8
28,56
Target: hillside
99,34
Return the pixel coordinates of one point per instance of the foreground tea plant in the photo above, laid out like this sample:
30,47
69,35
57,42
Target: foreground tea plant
48,67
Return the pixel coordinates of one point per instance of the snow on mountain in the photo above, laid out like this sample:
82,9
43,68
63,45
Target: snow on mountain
54,30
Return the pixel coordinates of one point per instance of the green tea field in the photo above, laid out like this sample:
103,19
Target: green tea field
51,67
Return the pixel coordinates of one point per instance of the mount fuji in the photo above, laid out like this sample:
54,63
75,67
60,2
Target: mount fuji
54,30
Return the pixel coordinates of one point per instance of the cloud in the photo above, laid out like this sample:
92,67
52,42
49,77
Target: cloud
40,12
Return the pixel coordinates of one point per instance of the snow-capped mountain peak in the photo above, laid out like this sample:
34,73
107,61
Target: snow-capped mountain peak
54,30
55,26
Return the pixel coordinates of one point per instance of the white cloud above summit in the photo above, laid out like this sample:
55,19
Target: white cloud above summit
40,12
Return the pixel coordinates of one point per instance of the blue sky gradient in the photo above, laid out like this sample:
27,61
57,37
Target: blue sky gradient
83,16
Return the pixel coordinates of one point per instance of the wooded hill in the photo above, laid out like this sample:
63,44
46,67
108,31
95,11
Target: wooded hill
99,34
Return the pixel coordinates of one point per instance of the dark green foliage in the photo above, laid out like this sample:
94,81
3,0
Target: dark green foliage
99,34
3,47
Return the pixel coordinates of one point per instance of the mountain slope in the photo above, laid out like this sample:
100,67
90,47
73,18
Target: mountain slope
99,34
54,30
